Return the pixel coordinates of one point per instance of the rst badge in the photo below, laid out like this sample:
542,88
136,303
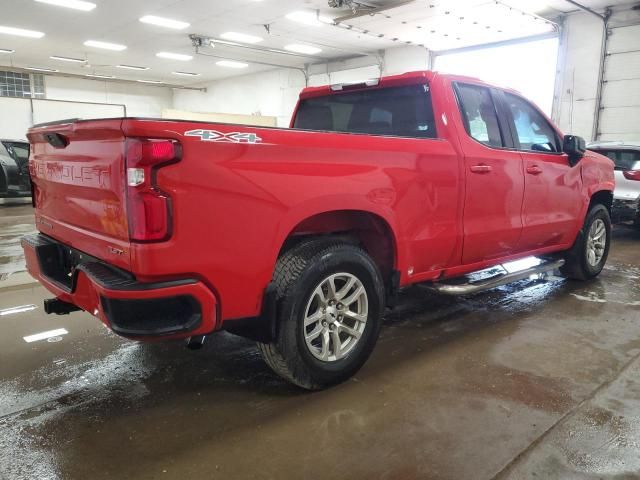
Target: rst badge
232,137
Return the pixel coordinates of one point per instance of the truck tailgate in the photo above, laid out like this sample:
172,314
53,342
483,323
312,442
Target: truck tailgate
78,172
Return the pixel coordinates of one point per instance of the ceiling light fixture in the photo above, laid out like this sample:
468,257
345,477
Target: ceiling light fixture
164,22
231,64
6,50
41,69
132,67
308,18
67,59
241,37
75,4
96,75
186,74
149,81
304,49
174,56
105,45
20,32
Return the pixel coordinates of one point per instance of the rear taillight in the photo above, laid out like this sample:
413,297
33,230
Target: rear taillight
149,207
632,174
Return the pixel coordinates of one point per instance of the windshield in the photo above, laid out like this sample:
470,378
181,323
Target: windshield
395,111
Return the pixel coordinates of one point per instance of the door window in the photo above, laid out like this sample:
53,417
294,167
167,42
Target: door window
533,130
479,114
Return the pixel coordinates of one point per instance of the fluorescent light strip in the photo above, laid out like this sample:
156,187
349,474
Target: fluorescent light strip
67,59
231,64
304,49
132,67
20,309
164,22
241,37
186,74
150,81
40,69
6,50
174,56
105,45
95,75
45,335
75,4
20,32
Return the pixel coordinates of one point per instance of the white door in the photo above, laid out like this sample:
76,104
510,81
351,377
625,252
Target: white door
620,115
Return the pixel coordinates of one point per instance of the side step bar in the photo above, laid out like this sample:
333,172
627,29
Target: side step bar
492,282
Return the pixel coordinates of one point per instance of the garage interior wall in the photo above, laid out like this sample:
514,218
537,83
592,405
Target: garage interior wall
578,76
141,100
275,93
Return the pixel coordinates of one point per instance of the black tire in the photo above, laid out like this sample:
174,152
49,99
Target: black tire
297,274
577,265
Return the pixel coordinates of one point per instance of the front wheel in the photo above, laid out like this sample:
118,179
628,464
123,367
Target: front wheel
330,299
587,257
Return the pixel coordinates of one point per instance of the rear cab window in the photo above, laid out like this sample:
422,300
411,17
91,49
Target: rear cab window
389,111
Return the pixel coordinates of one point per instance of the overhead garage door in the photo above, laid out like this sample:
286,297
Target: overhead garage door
620,115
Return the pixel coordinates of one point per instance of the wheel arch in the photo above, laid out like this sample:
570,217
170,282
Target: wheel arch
601,197
370,230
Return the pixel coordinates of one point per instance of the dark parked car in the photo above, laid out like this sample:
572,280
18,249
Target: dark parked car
14,169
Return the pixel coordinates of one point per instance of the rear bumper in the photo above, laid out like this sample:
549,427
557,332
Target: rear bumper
145,311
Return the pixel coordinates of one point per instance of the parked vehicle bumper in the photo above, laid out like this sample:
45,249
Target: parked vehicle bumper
625,209
166,309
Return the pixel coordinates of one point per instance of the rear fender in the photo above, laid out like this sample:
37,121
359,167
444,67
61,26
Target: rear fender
334,203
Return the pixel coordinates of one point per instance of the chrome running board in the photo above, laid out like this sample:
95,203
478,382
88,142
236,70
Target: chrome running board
492,282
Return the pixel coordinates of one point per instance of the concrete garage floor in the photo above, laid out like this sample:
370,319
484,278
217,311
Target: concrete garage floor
533,380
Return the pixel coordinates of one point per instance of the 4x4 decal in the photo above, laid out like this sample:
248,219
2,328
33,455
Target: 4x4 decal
232,137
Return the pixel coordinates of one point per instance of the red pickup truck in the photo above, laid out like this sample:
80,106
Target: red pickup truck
299,238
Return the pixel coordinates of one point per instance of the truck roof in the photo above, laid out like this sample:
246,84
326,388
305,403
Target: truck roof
409,78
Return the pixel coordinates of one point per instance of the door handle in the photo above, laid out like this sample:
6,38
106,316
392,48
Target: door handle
534,170
481,168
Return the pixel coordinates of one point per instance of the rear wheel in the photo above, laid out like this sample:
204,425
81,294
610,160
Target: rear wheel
587,257
330,301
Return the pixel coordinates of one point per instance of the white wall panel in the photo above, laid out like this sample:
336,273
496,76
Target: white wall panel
141,100
54,110
621,93
15,118
622,66
620,114
19,114
623,39
577,81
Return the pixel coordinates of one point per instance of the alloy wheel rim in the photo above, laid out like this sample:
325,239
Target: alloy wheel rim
335,317
596,242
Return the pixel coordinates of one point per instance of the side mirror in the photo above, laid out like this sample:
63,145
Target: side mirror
574,147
